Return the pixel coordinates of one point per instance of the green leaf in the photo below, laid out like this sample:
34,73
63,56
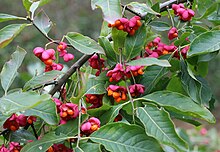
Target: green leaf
42,21
33,8
141,8
179,103
27,4
9,70
8,17
175,85
182,39
16,102
44,143
196,87
159,25
93,147
45,110
151,77
208,11
109,51
94,86
149,62
197,30
207,57
121,137
22,136
2,119
205,43
105,30
71,127
135,44
111,9
118,37
110,115
158,124
84,44
42,79
97,112
8,33
184,118
215,19
44,2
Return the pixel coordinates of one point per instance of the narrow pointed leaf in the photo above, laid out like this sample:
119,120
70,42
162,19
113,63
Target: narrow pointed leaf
141,8
135,44
94,86
44,143
90,147
8,33
27,4
110,115
42,21
109,51
179,103
205,43
9,70
16,102
149,62
121,137
159,26
2,119
111,9
42,79
84,44
22,136
118,37
151,77
159,125
8,17
45,110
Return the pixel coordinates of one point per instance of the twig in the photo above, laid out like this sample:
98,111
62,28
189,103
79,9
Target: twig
163,6
68,74
34,130
45,35
46,84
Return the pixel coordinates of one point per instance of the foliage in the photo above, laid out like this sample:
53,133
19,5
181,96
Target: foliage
127,97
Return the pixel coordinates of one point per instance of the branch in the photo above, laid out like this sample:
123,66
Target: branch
68,74
168,4
45,35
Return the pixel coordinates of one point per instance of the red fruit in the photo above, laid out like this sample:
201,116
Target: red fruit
132,32
117,23
48,62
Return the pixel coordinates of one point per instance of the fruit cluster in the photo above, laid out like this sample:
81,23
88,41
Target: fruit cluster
15,121
67,111
97,63
90,126
184,14
173,33
95,100
129,26
13,147
156,48
117,92
48,56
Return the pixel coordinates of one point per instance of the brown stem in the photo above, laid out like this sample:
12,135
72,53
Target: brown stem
168,4
68,74
45,35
